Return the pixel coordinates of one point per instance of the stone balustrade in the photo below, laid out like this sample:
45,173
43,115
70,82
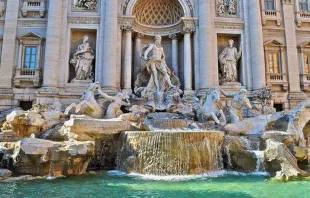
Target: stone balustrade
277,79
33,6
28,75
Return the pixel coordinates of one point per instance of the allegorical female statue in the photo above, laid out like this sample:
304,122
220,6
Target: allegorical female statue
83,61
228,62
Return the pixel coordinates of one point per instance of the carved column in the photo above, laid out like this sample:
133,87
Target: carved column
137,58
127,69
175,50
110,46
9,44
256,41
188,28
206,29
187,63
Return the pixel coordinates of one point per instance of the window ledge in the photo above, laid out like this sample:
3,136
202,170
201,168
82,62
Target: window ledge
277,79
305,82
271,15
302,17
25,75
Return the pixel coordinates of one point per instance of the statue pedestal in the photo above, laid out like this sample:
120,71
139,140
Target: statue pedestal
232,86
81,82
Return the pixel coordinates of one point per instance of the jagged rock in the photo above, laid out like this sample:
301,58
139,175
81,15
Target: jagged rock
84,128
237,155
42,157
281,162
5,173
105,133
25,123
292,122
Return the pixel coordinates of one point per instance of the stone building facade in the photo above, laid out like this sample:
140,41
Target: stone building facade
40,37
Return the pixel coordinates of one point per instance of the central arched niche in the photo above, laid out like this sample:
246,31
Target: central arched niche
158,12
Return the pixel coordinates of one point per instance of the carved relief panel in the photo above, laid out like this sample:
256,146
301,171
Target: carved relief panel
227,7
85,5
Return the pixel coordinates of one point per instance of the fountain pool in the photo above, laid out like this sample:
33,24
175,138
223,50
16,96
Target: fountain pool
109,184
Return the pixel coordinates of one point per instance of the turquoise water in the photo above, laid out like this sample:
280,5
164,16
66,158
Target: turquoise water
110,185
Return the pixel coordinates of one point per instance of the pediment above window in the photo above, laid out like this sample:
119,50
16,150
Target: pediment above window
274,43
31,36
305,45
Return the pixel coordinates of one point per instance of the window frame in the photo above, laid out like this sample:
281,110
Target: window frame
267,3
303,5
30,59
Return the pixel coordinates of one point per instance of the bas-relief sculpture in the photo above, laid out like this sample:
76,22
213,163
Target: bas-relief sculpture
83,61
85,4
226,7
156,83
228,63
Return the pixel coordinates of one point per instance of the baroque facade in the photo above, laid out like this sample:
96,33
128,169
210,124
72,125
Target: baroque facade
51,50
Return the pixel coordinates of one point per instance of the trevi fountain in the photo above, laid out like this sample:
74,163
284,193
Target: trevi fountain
160,139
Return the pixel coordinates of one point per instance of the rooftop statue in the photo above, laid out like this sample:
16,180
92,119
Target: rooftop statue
228,62
239,100
83,61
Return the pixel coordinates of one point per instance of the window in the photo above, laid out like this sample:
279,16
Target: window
269,5
303,5
30,60
274,62
307,63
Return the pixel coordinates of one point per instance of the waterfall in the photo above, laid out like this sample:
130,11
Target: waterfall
170,152
260,159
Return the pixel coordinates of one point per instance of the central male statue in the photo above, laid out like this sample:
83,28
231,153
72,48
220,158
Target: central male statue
155,57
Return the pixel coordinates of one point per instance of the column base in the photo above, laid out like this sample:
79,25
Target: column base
7,98
189,92
48,95
232,86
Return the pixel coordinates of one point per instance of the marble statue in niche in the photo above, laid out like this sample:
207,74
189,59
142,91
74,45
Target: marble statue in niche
228,62
85,4
156,63
156,83
83,61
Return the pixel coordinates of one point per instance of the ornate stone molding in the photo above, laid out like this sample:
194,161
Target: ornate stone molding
32,22
174,36
138,35
229,25
83,20
126,23
189,25
128,5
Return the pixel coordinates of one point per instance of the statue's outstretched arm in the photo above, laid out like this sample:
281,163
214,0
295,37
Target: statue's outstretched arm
106,96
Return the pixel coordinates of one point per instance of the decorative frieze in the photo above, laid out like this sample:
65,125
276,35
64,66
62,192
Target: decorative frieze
85,5
83,20
229,25
227,7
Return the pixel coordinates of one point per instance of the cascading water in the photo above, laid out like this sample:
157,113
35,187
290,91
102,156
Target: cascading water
170,153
